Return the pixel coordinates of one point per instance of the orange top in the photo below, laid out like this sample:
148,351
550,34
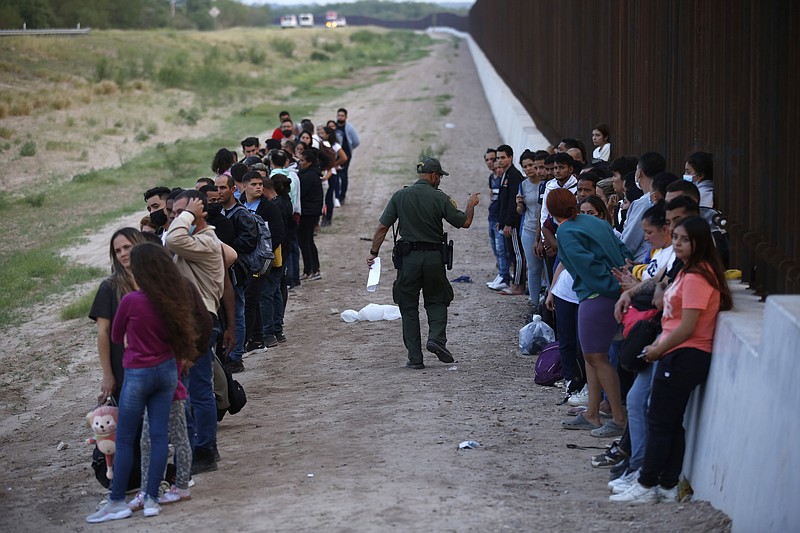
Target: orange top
691,291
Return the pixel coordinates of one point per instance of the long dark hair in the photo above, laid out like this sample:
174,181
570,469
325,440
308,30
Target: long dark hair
121,280
705,259
170,292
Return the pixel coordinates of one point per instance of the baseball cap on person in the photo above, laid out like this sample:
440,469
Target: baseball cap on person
430,165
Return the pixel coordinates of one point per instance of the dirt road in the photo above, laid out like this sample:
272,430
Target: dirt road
337,435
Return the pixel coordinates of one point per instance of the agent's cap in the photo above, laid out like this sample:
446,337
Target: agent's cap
430,165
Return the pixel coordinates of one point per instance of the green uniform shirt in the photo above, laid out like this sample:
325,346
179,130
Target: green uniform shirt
421,208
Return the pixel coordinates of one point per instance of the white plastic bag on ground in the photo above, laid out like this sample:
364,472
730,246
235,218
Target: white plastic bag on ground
535,336
372,313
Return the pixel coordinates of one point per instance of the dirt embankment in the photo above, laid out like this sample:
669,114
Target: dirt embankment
337,435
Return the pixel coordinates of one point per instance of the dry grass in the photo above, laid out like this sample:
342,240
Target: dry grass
106,87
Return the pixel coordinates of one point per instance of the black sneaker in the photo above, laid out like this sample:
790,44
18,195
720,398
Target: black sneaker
618,469
203,461
280,337
412,366
234,367
270,341
254,346
437,348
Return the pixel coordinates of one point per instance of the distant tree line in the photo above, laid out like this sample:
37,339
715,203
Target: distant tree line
131,14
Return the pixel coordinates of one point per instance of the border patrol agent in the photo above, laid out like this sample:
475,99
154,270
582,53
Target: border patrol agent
422,254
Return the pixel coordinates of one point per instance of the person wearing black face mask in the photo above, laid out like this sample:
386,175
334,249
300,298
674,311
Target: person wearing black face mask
222,226
159,218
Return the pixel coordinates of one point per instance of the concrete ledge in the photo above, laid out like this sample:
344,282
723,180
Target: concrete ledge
742,432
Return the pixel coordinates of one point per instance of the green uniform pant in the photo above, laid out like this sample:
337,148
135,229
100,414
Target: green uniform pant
422,271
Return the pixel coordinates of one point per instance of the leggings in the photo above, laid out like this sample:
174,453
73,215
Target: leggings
179,437
305,235
514,249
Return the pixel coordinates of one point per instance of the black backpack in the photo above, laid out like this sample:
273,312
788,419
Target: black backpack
259,261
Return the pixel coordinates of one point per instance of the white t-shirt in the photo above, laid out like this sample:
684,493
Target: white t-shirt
571,184
563,288
602,153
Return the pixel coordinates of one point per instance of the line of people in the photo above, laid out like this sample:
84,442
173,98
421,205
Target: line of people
183,305
603,247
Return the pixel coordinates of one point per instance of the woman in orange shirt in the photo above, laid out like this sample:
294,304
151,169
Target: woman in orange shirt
683,354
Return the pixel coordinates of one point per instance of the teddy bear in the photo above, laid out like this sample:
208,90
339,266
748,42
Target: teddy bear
103,421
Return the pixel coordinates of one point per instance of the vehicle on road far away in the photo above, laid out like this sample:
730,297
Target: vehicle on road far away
288,21
306,20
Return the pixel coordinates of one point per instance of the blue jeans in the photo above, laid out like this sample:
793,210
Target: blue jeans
343,179
241,325
638,400
498,243
568,344
201,415
291,261
535,266
272,303
333,192
153,388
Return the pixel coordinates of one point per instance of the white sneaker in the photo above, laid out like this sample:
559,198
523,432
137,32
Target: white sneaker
636,493
110,511
137,503
623,483
667,495
151,507
337,203
497,279
580,398
499,286
174,494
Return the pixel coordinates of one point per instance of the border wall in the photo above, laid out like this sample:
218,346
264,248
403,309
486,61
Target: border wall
674,77
741,439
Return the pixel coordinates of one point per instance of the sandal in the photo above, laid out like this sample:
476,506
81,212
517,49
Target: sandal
506,292
608,430
579,422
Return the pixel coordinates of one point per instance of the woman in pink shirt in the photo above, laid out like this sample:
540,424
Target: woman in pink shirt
156,324
683,356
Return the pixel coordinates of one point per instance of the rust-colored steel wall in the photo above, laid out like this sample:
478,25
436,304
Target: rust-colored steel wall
673,76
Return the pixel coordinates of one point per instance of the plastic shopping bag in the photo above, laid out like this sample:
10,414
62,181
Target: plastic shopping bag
533,337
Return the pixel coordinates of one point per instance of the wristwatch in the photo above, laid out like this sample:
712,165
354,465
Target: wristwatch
373,252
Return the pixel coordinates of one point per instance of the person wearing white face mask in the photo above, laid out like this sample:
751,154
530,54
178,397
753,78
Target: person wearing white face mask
699,169
650,164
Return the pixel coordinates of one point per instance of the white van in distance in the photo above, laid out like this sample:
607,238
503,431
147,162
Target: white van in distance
288,21
306,20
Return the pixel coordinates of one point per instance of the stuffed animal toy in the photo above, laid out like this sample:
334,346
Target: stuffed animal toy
103,422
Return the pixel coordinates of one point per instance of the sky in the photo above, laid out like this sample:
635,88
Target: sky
323,2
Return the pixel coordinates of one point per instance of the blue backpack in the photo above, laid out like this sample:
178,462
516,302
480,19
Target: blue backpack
548,366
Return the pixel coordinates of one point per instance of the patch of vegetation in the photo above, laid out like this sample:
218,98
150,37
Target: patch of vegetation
79,308
283,46
444,110
332,47
35,199
6,133
31,275
443,97
28,149
190,116
319,56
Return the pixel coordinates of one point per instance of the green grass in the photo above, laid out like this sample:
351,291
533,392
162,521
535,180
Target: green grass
79,308
32,276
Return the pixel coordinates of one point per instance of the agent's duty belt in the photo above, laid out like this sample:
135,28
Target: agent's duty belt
426,246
